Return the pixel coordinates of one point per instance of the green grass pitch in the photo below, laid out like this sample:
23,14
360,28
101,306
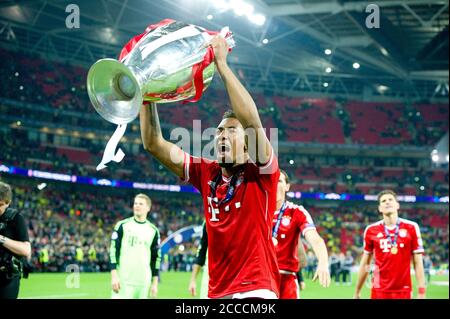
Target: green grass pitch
174,285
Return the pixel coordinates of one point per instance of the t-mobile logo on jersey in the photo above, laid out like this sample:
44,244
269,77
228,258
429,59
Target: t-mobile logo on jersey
384,244
214,211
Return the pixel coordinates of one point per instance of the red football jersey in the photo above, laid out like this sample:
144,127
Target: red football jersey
241,255
392,271
295,219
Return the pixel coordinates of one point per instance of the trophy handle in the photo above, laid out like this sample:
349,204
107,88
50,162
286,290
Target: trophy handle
114,91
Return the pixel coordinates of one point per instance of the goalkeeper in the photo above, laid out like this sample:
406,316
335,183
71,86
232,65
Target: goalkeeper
135,255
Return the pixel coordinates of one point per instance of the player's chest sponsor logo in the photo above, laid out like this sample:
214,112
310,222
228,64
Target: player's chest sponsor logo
386,245
135,240
226,200
215,211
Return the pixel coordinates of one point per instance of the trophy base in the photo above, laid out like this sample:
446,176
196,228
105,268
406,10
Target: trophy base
114,91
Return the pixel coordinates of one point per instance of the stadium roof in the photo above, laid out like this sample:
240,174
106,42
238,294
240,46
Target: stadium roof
406,57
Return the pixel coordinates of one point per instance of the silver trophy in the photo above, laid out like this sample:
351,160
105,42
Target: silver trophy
161,65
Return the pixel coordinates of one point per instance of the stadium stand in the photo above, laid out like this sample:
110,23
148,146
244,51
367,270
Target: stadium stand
62,87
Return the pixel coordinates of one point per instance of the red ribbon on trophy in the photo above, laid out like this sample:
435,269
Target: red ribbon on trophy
197,69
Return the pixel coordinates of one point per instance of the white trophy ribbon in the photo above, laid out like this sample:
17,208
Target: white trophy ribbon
109,154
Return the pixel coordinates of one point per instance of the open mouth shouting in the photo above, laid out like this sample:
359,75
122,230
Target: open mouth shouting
223,148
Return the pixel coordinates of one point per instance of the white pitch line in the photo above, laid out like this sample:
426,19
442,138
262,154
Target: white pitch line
56,296
439,283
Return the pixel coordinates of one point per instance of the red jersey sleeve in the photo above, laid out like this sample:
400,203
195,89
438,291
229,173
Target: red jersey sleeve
305,221
416,244
267,174
271,167
368,242
195,170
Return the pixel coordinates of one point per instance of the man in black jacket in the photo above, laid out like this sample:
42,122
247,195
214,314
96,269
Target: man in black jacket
14,245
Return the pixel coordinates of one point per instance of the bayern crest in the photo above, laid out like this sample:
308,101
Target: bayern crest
286,221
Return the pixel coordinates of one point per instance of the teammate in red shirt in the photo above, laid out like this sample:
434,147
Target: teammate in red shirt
238,190
392,242
289,223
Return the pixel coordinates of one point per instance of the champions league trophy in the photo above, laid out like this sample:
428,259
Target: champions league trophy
171,61
161,65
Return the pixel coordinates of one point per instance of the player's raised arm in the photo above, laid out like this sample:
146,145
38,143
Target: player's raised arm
167,153
241,102
363,272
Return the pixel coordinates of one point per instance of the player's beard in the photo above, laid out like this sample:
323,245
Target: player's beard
226,161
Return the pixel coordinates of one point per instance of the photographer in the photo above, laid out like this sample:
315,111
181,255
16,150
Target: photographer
14,245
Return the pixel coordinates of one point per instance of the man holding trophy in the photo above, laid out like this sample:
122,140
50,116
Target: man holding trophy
238,190
173,61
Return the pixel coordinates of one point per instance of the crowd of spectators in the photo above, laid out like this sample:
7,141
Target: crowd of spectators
364,175
327,174
72,225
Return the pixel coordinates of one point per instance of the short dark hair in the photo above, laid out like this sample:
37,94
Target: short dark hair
282,171
386,192
5,192
229,114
